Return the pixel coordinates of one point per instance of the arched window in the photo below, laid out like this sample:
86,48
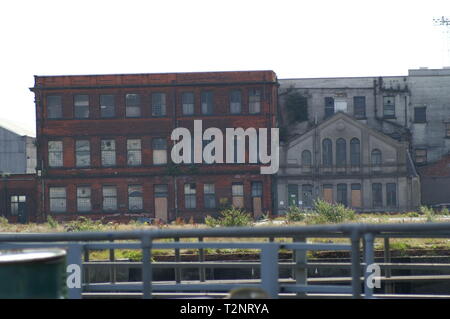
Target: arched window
376,157
341,152
355,152
306,158
327,152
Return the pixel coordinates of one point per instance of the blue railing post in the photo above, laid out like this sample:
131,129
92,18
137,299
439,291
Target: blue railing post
147,275
369,260
356,265
74,257
269,269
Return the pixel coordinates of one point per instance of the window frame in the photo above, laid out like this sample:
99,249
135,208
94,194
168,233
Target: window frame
255,100
107,108
61,152
129,107
104,152
420,117
56,198
59,111
79,197
162,106
75,106
105,197
359,107
131,151
77,153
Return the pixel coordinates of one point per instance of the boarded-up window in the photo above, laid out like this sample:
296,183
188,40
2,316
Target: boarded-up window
109,198
341,152
420,156
356,195
161,202
389,106
207,102
83,153
328,193
376,157
306,158
57,199
158,104
235,102
135,202
254,101
329,106
420,115
108,148
307,195
391,194
107,105
209,195
55,153
342,194
54,107
190,198
327,152
237,192
159,151
359,106
83,199
134,152
133,105
355,152
81,106
187,101
377,195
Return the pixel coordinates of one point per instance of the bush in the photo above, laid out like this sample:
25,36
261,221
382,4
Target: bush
51,222
83,224
443,211
412,214
428,212
295,214
325,212
3,221
230,217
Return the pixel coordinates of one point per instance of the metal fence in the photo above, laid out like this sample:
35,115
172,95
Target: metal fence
78,246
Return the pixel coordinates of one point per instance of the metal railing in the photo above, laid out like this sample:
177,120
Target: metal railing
78,246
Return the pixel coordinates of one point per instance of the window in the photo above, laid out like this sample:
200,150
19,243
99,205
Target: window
158,104
306,158
54,107
187,101
307,195
237,192
421,156
207,103
420,115
83,199
391,195
447,129
327,152
159,151
292,195
257,189
135,202
161,190
83,153
356,195
329,106
377,195
108,148
107,106
81,106
133,105
209,195
134,152
109,198
235,102
376,157
342,194
359,106
341,152
389,106
189,195
55,153
16,201
355,152
57,199
340,105
254,101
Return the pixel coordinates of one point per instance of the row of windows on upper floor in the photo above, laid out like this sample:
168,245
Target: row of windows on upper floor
58,196
341,153
158,105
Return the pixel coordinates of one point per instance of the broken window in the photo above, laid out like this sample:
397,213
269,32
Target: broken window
135,202
57,199
108,148
254,101
133,105
54,107
55,153
82,153
158,104
81,106
389,106
159,151
109,198
83,199
134,152
420,115
209,195
235,102
190,195
187,101
107,106
359,106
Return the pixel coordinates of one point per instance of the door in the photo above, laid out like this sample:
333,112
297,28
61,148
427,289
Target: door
328,193
161,210
19,208
292,195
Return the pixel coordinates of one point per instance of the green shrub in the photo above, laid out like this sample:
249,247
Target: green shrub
428,212
412,214
331,213
3,221
295,214
83,224
51,222
230,217
444,211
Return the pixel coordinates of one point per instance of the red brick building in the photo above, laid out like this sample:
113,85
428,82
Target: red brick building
18,198
104,143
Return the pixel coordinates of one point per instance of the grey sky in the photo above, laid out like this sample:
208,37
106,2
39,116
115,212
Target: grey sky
293,38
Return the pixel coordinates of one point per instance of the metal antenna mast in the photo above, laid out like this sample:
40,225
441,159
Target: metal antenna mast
444,22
